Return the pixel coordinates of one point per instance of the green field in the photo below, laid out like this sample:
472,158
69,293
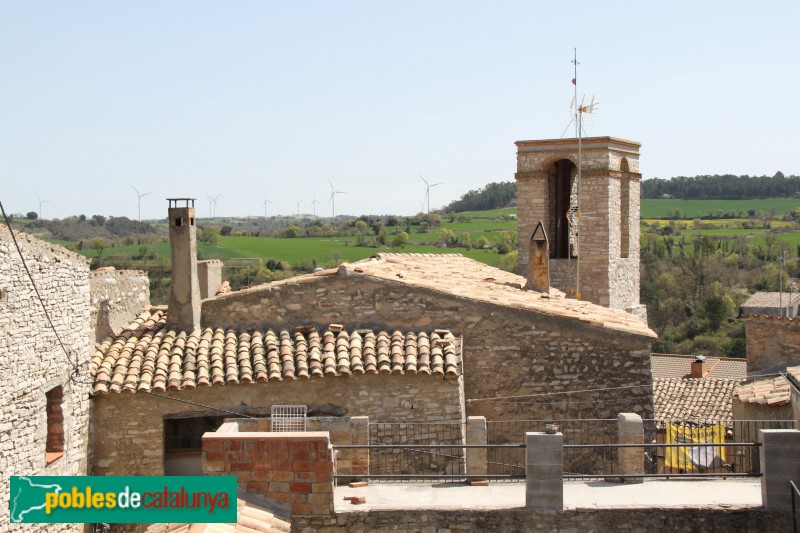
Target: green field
652,208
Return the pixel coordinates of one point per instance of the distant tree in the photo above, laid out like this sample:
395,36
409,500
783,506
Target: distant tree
292,232
32,215
209,234
361,232
400,240
98,220
99,246
225,230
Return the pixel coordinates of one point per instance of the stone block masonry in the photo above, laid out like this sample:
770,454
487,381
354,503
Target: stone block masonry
771,341
117,296
294,470
33,366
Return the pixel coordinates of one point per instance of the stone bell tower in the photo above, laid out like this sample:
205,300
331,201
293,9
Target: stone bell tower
184,292
594,251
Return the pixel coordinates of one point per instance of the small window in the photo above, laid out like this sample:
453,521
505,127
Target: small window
191,221
185,435
178,222
54,447
3,295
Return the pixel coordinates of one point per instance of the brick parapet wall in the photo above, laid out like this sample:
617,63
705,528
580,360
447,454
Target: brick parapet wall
117,296
33,362
292,469
771,341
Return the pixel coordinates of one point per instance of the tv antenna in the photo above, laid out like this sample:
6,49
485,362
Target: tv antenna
314,203
428,191
139,196
332,199
40,205
264,204
574,211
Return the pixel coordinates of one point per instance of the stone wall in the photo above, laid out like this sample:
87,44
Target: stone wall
33,363
128,429
771,341
506,351
609,276
713,520
117,296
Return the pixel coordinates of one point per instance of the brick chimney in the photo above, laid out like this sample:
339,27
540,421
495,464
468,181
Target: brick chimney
539,261
184,293
699,367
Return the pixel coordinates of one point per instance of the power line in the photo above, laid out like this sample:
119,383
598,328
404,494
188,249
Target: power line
497,398
36,289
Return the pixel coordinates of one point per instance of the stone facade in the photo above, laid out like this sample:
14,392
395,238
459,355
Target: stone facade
712,520
605,269
507,351
771,341
116,297
33,365
128,429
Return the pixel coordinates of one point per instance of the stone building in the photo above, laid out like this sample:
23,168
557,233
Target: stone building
777,304
397,338
600,260
771,341
43,368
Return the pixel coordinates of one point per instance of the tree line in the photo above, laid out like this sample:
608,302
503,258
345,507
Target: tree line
722,187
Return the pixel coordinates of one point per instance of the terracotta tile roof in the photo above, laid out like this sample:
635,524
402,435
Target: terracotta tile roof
250,518
771,299
766,391
693,399
147,355
469,279
667,366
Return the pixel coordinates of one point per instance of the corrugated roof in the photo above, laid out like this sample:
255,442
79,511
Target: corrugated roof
147,355
674,366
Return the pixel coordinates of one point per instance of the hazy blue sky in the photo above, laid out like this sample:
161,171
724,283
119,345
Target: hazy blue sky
197,98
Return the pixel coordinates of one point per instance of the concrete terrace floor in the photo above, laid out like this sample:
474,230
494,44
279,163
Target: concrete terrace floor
720,493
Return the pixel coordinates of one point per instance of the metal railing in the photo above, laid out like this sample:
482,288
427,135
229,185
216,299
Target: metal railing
693,460
412,462
795,497
576,431
413,449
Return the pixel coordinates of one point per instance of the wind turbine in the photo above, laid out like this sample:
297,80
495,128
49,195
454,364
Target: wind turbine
139,195
332,200
298,202
40,205
428,191
265,204
212,205
314,203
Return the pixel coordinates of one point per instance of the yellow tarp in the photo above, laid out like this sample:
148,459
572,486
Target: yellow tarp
694,458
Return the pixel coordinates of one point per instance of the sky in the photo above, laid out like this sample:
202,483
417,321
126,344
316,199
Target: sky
250,100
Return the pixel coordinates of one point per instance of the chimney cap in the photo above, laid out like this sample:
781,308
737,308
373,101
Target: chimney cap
700,359
173,202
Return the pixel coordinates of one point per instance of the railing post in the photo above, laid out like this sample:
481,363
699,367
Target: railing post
630,430
359,428
544,471
779,453
476,457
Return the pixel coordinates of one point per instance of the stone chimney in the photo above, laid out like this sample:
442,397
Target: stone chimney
210,275
699,367
184,293
539,262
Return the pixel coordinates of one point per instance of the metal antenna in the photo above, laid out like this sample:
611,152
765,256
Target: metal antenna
265,204
40,206
332,199
139,196
428,191
314,203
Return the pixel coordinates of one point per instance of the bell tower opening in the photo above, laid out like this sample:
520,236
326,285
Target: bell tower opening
563,194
